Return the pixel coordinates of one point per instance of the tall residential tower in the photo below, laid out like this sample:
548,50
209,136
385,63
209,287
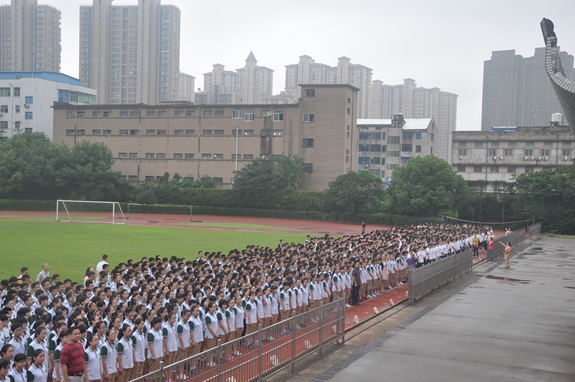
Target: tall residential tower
130,54
29,37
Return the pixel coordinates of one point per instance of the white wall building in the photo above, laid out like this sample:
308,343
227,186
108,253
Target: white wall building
26,100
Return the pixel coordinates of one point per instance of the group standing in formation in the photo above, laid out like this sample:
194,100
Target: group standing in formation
119,323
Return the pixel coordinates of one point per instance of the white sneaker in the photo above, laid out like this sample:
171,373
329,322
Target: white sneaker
347,306
211,364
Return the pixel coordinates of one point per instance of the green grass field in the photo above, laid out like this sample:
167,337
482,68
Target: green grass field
71,248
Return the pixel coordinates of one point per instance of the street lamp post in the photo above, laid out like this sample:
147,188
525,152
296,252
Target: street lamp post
237,130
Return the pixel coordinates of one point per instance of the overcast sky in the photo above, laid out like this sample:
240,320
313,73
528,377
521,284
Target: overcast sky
440,43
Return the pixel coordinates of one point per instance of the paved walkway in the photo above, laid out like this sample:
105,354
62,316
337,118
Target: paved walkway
516,324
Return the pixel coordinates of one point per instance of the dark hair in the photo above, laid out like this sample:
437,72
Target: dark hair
20,357
4,363
37,352
156,320
4,349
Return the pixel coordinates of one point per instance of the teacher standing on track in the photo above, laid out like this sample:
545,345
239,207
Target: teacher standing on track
506,254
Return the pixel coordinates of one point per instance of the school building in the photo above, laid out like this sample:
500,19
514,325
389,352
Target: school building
215,140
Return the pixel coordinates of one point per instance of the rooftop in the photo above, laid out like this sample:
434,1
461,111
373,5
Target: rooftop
410,123
48,76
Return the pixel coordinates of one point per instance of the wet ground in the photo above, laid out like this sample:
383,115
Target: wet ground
509,325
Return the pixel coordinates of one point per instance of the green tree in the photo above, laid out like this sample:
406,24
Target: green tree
549,197
427,186
355,192
267,179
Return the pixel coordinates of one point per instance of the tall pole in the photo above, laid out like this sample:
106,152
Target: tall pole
237,130
139,143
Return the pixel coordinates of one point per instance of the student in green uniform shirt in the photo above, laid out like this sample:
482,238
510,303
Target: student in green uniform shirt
93,359
18,372
38,343
4,369
109,356
36,371
63,339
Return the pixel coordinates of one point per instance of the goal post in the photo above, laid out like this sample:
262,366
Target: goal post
87,211
171,209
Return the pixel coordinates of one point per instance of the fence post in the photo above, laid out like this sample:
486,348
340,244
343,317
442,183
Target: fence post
410,285
320,327
219,359
162,371
342,320
260,352
293,343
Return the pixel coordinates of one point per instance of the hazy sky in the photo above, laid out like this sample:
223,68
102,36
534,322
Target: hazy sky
440,43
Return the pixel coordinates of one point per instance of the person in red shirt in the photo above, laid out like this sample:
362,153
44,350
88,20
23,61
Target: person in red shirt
72,359
490,248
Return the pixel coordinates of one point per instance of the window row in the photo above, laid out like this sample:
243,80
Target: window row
526,152
368,160
186,156
182,132
495,169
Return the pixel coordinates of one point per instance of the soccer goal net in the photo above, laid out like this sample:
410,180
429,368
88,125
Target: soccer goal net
84,211
167,209
498,226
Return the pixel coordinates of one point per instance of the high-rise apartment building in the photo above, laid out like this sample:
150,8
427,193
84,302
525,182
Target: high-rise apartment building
249,85
130,54
415,102
186,85
307,71
29,37
517,91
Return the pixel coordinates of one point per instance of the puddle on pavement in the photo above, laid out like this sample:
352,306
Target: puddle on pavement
507,279
537,249
570,287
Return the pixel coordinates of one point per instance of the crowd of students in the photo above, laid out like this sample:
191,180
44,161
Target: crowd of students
128,318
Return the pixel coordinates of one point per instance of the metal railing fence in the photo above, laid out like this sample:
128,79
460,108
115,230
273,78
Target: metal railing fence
534,229
260,354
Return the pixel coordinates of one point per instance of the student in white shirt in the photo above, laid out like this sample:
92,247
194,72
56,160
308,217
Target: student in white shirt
155,344
63,339
18,372
109,356
139,342
93,359
125,349
37,372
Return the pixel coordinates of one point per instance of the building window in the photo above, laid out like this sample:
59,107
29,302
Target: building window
417,149
237,157
236,132
383,148
566,153
189,156
462,152
208,113
134,113
162,132
407,135
508,152
134,155
4,109
248,157
178,156
477,168
512,169
149,178
307,167
17,107
207,132
307,142
308,118
249,116
220,113
178,132
161,156
151,113
162,113
432,137
16,92
348,111
216,179
68,131
278,115
460,168
248,132
347,134
417,135
122,155
266,113
134,132
218,156
406,148
178,113
206,156
96,132
4,92
494,169
107,114
265,133
123,178
150,132
528,153
309,93
124,114
393,140
492,152
29,100
190,113
545,152
29,115
107,132
237,114
96,114
132,178
190,132
278,133
375,160
528,168
363,160
375,148
150,155
364,148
